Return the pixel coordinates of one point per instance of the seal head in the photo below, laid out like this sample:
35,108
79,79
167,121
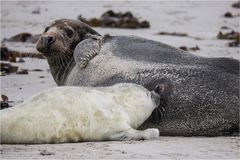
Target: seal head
62,36
57,43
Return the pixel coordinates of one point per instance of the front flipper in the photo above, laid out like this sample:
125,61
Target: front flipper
132,134
87,50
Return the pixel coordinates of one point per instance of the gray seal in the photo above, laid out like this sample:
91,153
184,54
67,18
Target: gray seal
204,97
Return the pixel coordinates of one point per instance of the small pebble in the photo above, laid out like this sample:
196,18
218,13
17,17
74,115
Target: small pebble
46,153
228,15
236,5
22,71
37,70
21,60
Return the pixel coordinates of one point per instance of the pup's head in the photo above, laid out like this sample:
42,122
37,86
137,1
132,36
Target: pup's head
163,89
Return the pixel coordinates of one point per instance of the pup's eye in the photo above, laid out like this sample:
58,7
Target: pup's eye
69,32
46,29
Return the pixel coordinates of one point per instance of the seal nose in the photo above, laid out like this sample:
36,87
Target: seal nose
47,40
156,97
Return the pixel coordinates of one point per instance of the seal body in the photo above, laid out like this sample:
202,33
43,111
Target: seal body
74,114
205,98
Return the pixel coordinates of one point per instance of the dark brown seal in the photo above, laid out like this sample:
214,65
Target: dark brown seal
58,42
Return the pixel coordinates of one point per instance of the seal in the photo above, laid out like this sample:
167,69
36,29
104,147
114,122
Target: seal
75,114
205,98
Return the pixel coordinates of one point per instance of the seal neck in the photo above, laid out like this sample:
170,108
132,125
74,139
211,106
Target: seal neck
61,69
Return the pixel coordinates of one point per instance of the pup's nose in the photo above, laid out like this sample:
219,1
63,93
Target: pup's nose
47,40
156,97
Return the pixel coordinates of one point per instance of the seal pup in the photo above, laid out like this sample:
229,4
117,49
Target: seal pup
75,114
205,98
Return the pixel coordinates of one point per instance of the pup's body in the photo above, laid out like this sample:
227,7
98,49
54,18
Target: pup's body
74,114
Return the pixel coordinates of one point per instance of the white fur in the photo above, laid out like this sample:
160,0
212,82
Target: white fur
73,114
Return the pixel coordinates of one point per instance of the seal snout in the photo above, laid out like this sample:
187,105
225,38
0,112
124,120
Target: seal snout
44,43
47,40
156,98
161,93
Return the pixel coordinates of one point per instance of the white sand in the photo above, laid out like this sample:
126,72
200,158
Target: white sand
199,19
164,148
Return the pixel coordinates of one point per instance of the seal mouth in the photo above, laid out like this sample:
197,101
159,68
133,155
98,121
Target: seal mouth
45,50
42,49
45,43
54,48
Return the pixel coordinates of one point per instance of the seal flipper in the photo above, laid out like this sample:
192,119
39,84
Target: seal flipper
87,50
132,134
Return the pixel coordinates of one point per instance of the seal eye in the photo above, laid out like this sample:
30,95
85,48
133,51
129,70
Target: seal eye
69,32
46,29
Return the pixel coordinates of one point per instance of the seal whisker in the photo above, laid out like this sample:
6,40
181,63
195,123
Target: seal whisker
62,61
60,57
59,60
68,51
64,58
67,55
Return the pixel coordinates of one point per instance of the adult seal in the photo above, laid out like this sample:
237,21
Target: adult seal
205,98
75,114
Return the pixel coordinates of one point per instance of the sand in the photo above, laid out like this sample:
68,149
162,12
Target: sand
162,148
200,19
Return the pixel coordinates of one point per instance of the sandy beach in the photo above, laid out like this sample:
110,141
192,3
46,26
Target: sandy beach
162,148
200,20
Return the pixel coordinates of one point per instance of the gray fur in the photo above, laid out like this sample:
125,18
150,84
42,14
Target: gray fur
86,50
205,100
205,97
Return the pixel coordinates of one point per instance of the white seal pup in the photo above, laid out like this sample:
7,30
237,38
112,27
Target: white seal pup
75,114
